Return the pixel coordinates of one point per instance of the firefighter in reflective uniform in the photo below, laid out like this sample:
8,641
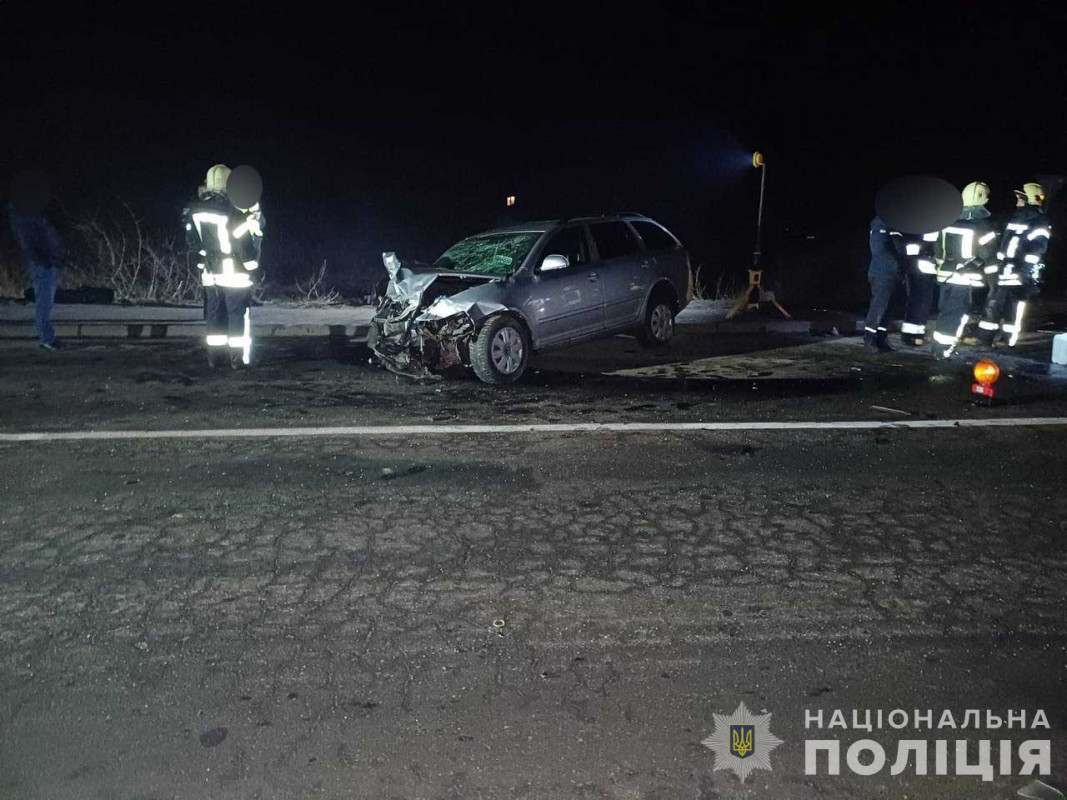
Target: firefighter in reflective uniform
888,264
920,281
979,295
1020,262
227,259
962,251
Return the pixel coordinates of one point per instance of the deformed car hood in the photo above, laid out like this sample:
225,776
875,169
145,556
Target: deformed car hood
477,302
405,284
453,292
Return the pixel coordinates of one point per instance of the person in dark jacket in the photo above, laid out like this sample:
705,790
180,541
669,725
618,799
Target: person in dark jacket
888,264
40,248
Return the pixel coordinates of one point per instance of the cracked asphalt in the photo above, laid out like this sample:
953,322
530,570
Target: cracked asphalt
522,616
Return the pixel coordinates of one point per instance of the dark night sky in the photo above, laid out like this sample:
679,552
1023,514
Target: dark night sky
405,129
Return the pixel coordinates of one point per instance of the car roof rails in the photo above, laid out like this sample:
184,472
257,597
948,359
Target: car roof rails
605,216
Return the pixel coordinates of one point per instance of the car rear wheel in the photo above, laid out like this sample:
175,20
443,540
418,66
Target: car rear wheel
658,327
501,350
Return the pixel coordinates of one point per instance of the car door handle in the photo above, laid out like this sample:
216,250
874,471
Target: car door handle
594,276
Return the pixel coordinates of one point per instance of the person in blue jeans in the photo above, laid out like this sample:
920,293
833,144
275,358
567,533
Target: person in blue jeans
40,248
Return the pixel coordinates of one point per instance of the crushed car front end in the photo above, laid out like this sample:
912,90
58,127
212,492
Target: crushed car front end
405,338
429,314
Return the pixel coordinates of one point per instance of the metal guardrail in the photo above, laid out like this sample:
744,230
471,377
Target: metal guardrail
163,330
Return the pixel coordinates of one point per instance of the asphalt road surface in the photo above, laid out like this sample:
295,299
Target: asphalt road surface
519,615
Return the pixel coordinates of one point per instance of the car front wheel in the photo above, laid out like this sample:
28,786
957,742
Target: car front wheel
501,350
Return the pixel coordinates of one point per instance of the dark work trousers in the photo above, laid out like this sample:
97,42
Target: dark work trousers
953,314
980,296
883,287
228,319
1007,305
921,289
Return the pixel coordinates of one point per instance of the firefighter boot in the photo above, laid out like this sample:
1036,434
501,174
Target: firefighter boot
878,342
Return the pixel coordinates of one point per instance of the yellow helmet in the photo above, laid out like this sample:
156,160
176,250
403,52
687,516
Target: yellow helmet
1035,195
217,177
975,193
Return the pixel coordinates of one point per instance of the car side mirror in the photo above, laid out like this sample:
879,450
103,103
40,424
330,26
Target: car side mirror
554,261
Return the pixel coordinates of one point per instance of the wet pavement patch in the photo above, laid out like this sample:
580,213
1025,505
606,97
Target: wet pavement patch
363,705
214,737
389,474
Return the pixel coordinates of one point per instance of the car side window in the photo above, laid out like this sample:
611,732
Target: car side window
569,242
654,237
614,240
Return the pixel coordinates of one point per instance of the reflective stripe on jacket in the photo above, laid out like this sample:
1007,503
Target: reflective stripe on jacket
227,254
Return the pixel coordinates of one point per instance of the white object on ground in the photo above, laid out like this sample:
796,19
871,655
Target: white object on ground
1059,348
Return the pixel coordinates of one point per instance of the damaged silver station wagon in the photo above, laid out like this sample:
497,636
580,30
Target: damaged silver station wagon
492,300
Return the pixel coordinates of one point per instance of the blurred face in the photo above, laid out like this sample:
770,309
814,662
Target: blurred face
918,203
244,187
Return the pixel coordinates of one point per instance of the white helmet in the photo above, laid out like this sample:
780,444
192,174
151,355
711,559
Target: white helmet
975,193
1035,195
217,177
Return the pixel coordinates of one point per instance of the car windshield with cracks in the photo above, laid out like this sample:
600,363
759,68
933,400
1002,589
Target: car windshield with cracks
497,254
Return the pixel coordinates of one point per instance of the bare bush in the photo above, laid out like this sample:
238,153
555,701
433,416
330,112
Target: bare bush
314,290
175,279
12,279
140,268
700,288
725,287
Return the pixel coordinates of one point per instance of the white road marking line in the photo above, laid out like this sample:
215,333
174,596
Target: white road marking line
578,427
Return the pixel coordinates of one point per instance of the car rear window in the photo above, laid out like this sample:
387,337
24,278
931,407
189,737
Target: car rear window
654,237
614,240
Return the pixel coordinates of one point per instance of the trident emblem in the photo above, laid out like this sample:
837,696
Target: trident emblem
741,740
